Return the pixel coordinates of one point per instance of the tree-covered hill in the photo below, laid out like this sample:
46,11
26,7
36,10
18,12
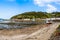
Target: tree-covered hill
36,15
30,15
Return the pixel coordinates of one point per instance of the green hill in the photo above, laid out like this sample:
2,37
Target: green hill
30,15
36,15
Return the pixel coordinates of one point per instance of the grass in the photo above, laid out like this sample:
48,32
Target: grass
56,33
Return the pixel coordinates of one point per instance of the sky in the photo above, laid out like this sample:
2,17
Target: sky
9,8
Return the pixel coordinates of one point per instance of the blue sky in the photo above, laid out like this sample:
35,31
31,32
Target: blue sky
9,8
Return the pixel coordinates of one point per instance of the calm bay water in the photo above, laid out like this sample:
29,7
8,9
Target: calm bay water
18,25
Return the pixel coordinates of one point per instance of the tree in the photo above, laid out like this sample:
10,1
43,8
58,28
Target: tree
30,15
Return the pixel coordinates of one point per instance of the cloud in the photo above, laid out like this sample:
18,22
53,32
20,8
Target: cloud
51,8
47,4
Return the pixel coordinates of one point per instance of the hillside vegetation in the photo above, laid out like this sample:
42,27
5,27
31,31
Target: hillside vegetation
36,15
